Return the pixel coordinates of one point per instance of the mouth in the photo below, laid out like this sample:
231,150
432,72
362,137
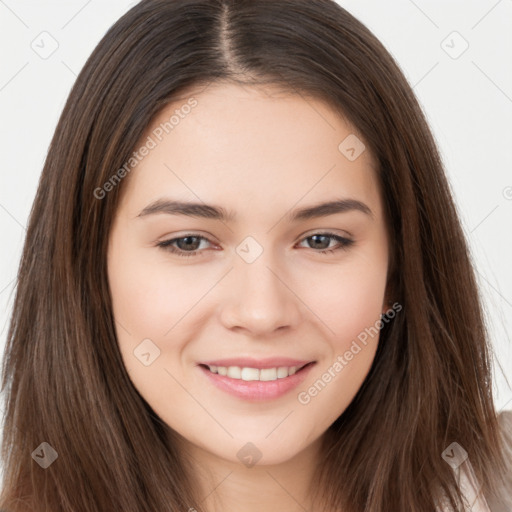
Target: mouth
258,382
247,373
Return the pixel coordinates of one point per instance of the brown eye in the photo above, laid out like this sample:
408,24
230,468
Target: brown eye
322,241
185,246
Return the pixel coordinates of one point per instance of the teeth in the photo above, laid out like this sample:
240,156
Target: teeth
248,374
268,374
234,372
265,374
282,372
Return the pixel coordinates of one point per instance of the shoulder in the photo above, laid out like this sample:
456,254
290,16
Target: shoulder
505,421
476,500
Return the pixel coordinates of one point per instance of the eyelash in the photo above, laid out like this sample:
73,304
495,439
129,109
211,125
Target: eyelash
345,243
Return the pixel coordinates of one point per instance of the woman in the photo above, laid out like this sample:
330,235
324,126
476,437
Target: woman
255,370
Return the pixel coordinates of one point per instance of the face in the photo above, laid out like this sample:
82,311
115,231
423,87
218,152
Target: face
250,317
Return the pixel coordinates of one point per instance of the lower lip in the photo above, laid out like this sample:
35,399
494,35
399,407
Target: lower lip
255,389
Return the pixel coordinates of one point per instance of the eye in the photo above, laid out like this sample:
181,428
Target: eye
320,238
193,241
189,241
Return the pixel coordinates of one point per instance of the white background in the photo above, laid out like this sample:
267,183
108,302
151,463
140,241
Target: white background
467,100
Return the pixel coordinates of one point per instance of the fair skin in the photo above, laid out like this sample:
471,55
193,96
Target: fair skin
261,154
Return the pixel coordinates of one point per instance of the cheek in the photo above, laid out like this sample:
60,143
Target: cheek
150,302
149,298
348,298
350,308
145,307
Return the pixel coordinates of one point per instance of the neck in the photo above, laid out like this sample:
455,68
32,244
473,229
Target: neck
228,486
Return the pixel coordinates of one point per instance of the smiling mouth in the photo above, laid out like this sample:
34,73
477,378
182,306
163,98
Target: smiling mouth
256,374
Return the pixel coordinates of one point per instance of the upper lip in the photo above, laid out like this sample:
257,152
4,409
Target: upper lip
249,362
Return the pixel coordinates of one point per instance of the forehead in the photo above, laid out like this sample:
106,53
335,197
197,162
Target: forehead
231,144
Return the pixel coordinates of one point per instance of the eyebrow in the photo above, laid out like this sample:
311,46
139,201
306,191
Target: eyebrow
206,211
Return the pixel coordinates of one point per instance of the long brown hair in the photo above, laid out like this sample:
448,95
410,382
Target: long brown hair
63,377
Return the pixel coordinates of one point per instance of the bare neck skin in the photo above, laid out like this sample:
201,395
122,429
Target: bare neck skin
231,487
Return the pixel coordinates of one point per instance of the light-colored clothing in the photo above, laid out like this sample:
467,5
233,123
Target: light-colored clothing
505,419
476,501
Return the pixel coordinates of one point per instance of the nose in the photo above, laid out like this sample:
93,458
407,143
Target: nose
260,298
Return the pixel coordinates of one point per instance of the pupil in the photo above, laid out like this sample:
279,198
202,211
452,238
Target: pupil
185,242
315,237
